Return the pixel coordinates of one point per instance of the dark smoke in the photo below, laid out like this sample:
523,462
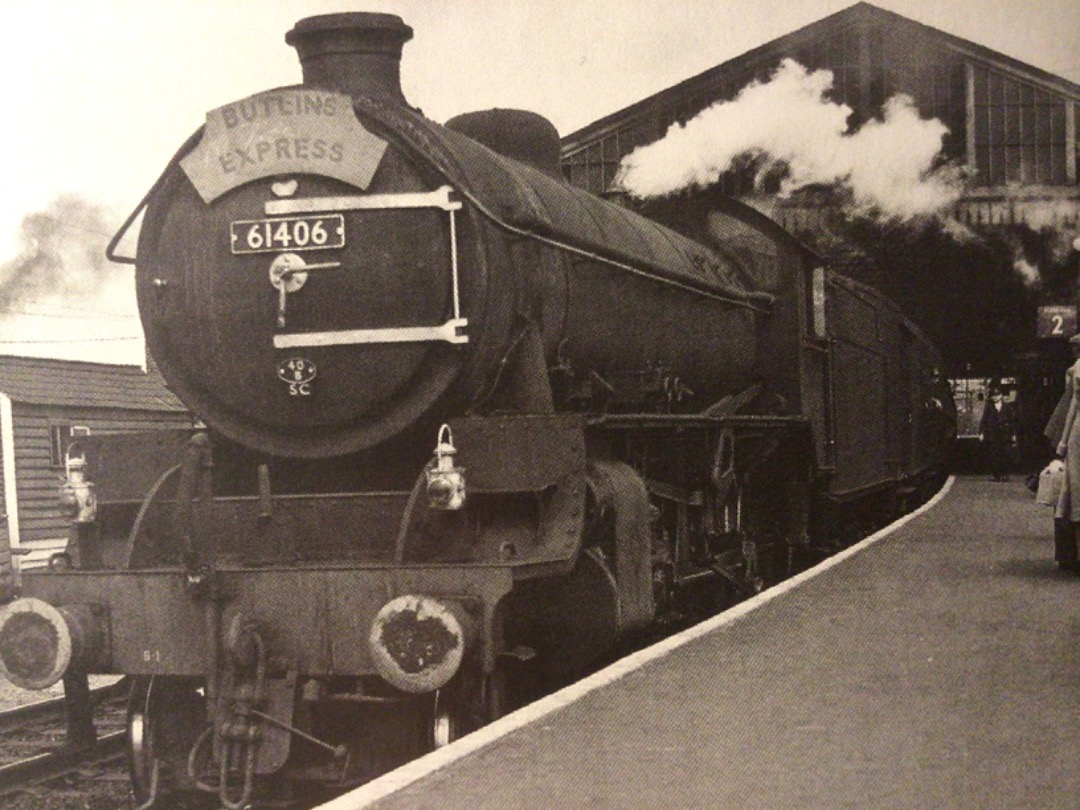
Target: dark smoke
61,254
60,296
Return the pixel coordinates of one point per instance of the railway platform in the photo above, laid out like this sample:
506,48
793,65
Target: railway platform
936,665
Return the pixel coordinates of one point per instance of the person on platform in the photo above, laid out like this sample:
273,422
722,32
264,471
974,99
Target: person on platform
997,432
1063,431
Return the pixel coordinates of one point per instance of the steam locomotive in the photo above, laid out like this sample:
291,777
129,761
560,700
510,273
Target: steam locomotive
468,429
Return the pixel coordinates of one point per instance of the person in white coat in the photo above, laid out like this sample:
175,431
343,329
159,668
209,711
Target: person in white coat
1065,432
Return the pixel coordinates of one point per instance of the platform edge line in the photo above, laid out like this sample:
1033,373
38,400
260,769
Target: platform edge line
400,778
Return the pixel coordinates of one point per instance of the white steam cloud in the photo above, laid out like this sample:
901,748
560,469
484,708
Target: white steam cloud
1042,249
889,166
1028,272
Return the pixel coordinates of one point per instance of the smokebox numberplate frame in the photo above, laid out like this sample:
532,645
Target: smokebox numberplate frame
450,332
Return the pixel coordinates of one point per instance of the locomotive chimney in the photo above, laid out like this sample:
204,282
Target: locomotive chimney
356,53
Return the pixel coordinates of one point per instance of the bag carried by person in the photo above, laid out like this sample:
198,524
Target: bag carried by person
1050,482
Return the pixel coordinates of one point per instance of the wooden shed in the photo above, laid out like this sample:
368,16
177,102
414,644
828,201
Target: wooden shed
45,406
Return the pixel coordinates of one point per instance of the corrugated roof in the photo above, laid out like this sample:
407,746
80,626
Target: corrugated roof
45,381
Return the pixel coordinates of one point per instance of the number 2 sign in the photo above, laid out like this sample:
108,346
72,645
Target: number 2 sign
1056,322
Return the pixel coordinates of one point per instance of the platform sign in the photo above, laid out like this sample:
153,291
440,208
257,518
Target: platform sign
1056,322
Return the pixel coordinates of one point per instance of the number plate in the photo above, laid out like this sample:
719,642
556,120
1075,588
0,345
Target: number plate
288,233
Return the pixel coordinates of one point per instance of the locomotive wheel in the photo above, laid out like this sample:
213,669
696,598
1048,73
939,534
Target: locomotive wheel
446,723
464,706
165,718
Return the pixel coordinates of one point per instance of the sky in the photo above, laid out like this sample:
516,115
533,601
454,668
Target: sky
100,94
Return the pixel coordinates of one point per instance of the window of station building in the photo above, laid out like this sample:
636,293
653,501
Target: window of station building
61,438
595,165
936,82
610,160
838,54
815,301
1020,132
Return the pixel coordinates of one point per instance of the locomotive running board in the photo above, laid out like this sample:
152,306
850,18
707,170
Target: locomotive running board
448,332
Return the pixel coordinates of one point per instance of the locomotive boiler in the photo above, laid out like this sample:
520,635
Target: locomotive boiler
467,429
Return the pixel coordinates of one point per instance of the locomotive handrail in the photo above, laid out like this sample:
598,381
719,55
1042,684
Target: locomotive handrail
448,332
748,301
439,198
757,301
114,243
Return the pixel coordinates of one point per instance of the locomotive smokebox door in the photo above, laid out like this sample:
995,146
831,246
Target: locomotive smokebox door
326,246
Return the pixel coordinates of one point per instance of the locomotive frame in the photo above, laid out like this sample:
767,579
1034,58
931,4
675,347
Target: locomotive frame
594,479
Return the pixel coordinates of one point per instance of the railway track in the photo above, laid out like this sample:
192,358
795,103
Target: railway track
39,770
45,710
